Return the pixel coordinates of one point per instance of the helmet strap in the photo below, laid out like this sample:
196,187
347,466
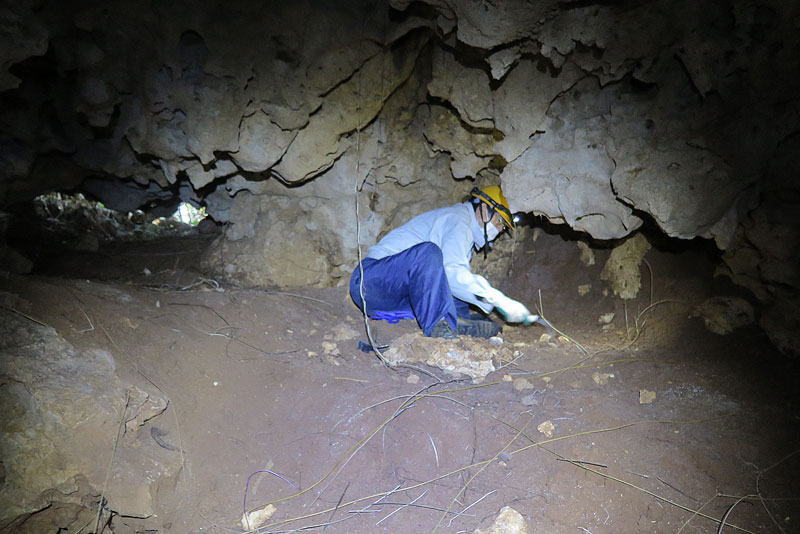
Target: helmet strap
485,240
486,223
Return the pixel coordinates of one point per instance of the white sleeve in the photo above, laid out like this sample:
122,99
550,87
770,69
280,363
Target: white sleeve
463,284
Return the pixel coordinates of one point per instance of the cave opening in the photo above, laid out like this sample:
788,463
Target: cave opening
179,346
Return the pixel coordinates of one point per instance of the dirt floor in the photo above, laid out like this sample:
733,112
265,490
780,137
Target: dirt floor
270,401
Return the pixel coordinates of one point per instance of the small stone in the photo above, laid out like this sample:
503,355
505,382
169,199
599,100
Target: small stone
646,396
546,428
545,338
311,354
333,361
255,519
495,341
583,289
329,347
723,315
606,318
412,378
507,378
521,384
546,379
509,521
601,378
587,254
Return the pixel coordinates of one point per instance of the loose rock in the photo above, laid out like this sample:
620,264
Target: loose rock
509,521
646,396
546,428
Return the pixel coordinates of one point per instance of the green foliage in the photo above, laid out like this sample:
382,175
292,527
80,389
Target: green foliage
75,215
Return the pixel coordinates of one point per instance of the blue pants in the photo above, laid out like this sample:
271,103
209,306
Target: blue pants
412,282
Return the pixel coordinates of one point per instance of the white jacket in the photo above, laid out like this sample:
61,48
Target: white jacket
456,231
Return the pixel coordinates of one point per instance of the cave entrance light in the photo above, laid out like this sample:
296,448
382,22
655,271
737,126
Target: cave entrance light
188,214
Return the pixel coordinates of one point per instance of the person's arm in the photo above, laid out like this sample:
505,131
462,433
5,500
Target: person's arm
474,288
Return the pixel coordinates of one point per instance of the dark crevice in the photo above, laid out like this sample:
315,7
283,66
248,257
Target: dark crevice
107,131
415,9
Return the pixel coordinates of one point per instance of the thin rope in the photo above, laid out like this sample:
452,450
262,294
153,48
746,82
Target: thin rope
357,205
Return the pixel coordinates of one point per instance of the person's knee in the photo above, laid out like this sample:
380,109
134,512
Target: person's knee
355,287
430,252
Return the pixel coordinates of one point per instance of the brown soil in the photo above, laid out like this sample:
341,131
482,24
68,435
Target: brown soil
271,380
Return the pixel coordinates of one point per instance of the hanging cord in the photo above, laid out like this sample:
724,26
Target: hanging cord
356,191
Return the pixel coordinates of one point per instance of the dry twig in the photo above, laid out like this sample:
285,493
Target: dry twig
111,461
483,466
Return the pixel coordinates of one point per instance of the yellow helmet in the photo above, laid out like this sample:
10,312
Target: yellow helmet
493,196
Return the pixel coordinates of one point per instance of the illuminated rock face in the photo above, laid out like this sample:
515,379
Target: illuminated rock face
596,116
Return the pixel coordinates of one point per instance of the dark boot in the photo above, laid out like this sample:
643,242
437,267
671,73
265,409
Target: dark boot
478,327
443,330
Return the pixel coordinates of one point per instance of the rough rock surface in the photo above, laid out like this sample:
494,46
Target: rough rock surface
58,400
508,521
597,115
622,269
594,115
723,315
468,356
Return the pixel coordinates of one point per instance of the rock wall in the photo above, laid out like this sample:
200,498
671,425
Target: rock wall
598,115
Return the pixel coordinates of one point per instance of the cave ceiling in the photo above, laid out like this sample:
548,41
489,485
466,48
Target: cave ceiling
599,115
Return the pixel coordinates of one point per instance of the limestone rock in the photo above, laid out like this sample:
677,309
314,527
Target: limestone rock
467,89
521,384
723,315
665,184
470,152
508,521
566,172
503,60
546,428
601,379
462,356
585,115
200,177
253,520
587,254
53,390
606,318
520,107
343,332
621,269
646,396
262,142
351,105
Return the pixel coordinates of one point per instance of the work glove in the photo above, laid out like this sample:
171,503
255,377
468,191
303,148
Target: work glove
512,310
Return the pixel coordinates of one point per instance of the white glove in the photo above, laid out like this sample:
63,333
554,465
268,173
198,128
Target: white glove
513,311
